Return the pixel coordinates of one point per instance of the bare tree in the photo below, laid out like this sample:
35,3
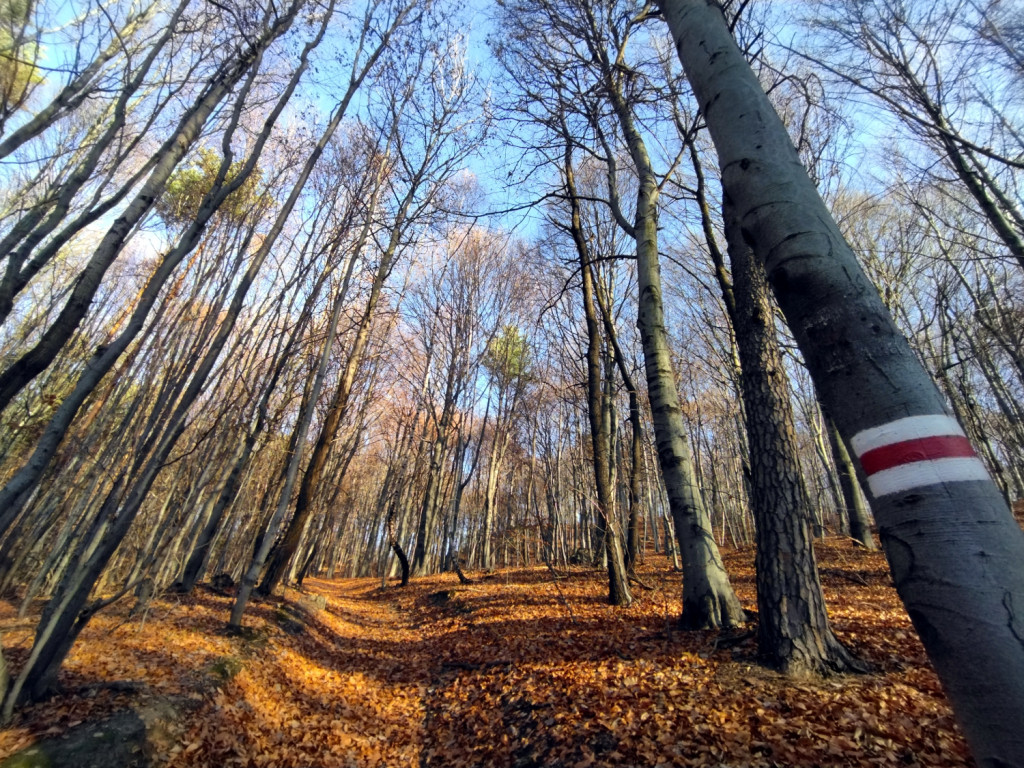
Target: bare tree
923,476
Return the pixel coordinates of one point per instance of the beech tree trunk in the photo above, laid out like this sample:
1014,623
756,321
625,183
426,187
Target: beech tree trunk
955,551
708,598
598,406
634,546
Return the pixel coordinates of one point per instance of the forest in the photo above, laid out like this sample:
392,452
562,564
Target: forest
658,335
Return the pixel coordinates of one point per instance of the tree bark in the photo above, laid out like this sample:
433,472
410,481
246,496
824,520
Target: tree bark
953,547
708,598
598,406
793,630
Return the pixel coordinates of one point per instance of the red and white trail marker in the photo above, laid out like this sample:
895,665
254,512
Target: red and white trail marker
916,451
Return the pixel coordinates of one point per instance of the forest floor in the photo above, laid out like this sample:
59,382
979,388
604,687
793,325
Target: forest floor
517,669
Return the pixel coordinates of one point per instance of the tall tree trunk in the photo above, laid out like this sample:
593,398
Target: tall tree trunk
955,551
708,598
793,630
598,408
285,549
633,532
597,405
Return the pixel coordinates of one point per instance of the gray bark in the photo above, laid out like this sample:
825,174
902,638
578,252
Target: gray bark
953,547
708,597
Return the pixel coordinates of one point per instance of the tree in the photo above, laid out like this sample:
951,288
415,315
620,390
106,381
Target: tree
961,589
68,611
793,629
599,405
19,55
935,70
507,362
585,67
708,598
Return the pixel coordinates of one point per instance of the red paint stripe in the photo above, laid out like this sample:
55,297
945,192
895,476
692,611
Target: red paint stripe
909,451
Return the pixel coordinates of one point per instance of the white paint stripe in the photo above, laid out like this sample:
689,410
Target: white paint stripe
901,430
932,472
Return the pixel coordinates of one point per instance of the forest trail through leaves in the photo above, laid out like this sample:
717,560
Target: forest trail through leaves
517,669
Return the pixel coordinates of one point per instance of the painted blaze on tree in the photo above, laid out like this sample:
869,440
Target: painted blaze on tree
956,553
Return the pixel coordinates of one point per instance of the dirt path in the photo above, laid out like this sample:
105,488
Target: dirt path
517,670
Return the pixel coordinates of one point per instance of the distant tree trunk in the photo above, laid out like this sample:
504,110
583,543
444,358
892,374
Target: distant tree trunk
195,566
393,542
431,495
598,407
490,502
857,513
955,551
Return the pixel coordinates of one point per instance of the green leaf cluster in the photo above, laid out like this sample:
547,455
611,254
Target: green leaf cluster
507,358
187,187
18,54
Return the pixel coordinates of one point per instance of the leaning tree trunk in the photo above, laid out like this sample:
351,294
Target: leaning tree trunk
793,630
284,551
85,286
392,531
955,551
857,513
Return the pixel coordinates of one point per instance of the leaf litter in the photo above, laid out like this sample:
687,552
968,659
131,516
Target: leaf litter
524,667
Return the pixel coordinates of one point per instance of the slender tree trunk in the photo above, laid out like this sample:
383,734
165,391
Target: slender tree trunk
490,501
285,549
708,598
954,549
633,544
857,512
598,407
